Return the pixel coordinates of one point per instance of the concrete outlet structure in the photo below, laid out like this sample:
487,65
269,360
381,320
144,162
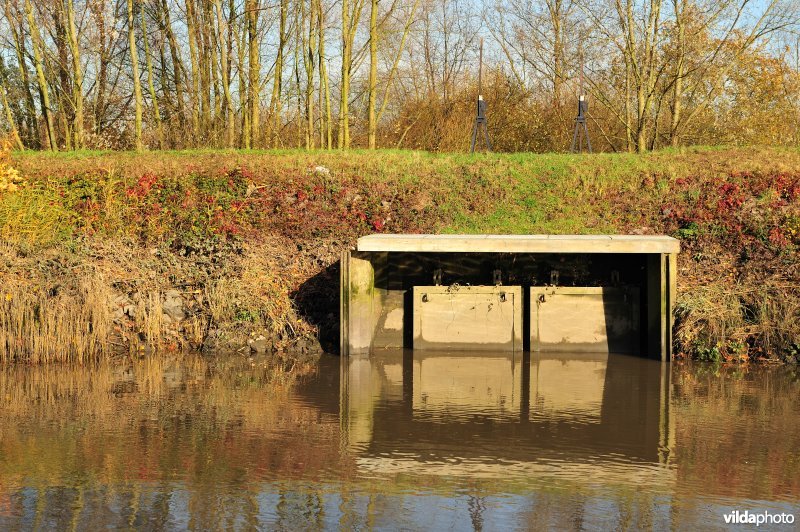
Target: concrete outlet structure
546,293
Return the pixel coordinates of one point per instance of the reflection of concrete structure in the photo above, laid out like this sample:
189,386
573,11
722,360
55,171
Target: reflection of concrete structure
593,293
444,384
508,415
556,381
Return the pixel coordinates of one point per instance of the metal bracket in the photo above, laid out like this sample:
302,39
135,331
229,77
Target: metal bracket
554,277
497,277
437,277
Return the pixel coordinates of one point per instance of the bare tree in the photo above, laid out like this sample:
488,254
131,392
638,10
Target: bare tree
351,15
14,18
44,92
659,71
326,129
77,74
222,33
137,84
150,80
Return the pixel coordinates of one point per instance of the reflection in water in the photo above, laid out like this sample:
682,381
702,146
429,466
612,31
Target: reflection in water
396,440
507,417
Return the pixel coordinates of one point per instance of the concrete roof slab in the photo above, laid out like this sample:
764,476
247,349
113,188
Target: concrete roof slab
426,243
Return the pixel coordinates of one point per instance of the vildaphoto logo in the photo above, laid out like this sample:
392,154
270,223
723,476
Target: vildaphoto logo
746,517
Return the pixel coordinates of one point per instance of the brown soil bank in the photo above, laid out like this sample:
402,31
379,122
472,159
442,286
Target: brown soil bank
114,252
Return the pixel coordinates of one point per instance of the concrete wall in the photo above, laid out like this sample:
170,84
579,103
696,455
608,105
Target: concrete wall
483,318
378,302
585,319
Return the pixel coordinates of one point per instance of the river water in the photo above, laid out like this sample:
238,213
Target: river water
451,441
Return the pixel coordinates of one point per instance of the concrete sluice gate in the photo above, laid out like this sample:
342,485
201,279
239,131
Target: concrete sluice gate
542,293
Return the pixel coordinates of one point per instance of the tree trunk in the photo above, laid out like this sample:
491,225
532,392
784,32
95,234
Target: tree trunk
177,64
308,63
194,100
40,78
627,108
66,107
644,69
298,50
254,80
275,104
343,137
77,76
676,107
101,82
137,84
324,81
18,34
150,82
556,15
351,14
229,117
10,117
206,63
372,125
240,34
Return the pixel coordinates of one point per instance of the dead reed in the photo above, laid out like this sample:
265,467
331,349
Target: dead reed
55,324
721,322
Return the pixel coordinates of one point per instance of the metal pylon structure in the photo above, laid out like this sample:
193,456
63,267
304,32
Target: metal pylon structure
480,117
581,130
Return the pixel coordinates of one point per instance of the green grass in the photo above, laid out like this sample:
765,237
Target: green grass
501,193
498,193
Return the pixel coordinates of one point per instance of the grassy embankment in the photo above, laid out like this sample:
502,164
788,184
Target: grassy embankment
116,252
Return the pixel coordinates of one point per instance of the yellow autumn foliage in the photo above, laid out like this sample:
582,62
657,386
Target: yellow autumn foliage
10,178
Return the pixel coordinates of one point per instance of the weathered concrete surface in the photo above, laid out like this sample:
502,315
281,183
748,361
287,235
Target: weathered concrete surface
468,317
585,319
390,321
358,304
520,243
379,303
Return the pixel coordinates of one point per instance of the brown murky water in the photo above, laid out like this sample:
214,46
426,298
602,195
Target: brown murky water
395,441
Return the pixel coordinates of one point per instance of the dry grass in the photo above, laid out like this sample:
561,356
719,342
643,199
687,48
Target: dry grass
709,316
719,322
221,296
108,298
60,325
149,317
34,218
194,331
269,285
773,316
255,294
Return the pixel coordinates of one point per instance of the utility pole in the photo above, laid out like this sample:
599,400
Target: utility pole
480,118
581,131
